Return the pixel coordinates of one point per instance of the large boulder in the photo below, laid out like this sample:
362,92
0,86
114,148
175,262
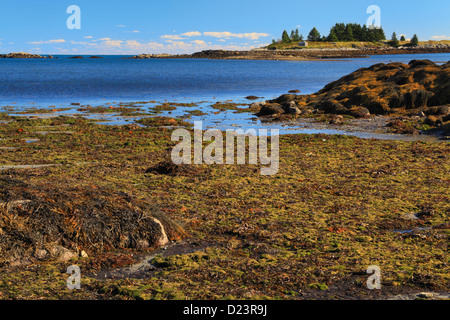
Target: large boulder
332,106
271,109
285,98
359,112
291,108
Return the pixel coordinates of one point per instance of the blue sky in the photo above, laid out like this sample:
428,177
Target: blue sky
181,26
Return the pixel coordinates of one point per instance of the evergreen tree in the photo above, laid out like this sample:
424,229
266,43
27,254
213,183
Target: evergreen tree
332,37
285,37
339,29
357,32
375,34
402,38
344,32
394,40
349,33
414,40
297,35
364,34
314,35
380,34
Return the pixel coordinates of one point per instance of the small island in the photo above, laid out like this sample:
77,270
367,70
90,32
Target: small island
23,55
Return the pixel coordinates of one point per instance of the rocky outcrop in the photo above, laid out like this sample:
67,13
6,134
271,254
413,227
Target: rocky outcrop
395,88
420,89
23,55
153,56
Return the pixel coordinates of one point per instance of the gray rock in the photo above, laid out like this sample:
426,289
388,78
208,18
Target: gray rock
337,120
83,254
427,295
62,254
40,254
256,105
444,110
142,245
360,112
271,109
291,108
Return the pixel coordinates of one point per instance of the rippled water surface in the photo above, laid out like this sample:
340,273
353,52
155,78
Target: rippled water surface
114,78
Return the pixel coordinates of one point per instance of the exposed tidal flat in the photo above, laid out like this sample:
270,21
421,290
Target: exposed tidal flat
93,185
92,198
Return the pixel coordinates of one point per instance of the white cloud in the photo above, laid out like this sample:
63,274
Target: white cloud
172,37
134,31
220,35
192,34
108,42
112,43
120,26
48,42
442,37
226,34
198,42
178,44
133,44
184,43
57,41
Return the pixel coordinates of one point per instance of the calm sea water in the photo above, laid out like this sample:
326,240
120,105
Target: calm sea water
45,82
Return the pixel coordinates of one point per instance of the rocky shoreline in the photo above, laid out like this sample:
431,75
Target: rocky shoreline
309,54
301,54
415,96
23,55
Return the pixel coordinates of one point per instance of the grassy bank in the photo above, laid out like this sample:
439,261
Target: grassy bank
310,231
293,45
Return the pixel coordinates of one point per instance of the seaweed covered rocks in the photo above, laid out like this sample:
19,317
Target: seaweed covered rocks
384,89
41,222
420,87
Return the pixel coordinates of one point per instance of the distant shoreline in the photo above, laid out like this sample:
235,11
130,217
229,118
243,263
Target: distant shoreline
296,55
264,54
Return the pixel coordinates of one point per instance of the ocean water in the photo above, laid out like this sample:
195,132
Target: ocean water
46,82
